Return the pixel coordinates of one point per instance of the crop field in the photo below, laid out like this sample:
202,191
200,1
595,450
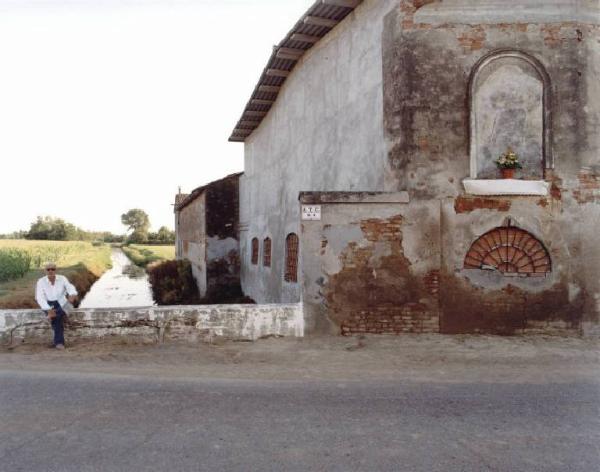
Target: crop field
22,261
143,255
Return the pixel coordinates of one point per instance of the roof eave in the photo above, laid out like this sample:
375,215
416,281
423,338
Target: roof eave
315,24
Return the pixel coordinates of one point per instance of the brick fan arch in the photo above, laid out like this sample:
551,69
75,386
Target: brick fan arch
510,250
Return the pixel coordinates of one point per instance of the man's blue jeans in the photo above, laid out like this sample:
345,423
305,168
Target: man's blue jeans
57,323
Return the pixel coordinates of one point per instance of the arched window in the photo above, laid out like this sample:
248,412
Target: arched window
267,252
510,109
254,258
511,251
291,258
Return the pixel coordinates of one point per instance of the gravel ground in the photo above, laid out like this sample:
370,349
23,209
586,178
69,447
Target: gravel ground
438,358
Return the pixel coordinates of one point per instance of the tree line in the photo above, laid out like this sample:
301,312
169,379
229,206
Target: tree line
56,229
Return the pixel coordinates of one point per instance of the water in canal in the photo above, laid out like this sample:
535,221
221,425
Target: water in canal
125,285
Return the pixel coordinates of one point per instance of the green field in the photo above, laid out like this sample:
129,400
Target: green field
143,255
81,262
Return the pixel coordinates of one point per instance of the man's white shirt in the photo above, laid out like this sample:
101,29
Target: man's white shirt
45,291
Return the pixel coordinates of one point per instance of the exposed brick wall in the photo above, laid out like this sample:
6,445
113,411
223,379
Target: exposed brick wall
390,319
588,189
468,204
380,293
432,282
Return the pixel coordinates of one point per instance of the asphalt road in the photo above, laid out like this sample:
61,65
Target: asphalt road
90,422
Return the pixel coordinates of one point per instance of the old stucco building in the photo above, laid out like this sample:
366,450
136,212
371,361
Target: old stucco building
370,191
206,228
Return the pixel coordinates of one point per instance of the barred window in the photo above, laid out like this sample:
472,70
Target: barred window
511,251
291,258
254,251
267,252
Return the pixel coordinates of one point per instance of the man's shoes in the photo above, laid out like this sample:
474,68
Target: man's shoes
60,346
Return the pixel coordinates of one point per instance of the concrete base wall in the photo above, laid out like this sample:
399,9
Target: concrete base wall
189,323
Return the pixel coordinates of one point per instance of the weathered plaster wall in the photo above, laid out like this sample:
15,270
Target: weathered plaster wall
427,64
323,133
475,300
190,323
371,267
375,266
191,232
429,55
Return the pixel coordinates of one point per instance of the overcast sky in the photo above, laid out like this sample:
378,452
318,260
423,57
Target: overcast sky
108,105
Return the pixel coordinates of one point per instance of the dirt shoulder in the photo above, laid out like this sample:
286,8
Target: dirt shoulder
434,358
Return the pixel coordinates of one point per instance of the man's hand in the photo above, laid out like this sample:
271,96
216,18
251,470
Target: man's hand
72,299
51,314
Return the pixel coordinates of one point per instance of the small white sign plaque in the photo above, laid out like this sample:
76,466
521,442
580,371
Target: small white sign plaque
311,212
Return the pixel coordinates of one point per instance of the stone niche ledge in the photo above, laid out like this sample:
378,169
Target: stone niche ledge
506,187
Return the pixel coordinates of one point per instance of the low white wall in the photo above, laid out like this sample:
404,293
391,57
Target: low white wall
237,322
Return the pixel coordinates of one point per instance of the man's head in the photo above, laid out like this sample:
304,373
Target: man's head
51,270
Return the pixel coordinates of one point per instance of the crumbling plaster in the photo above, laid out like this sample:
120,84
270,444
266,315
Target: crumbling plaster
363,255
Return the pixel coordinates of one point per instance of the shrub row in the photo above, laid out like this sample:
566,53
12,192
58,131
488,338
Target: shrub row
14,263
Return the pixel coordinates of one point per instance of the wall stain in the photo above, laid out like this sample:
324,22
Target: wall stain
508,311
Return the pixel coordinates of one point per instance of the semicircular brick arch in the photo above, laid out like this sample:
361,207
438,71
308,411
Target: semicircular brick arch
509,250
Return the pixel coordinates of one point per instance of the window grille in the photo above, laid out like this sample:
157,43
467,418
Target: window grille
254,251
291,258
267,252
511,251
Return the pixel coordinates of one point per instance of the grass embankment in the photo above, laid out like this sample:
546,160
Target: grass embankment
143,255
81,262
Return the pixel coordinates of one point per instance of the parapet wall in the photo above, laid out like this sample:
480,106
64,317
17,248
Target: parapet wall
189,323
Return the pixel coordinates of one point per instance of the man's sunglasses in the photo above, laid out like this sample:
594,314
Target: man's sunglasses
50,270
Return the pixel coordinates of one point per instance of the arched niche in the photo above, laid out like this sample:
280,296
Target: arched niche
509,97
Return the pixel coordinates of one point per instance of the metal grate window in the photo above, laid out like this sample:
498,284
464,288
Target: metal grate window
511,251
291,258
267,252
254,251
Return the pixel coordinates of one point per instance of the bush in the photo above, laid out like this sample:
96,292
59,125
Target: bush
14,263
172,283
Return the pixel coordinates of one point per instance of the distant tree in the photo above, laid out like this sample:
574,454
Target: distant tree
138,222
53,229
138,237
14,235
165,235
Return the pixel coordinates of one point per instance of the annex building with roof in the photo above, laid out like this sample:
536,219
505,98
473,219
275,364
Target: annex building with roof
371,191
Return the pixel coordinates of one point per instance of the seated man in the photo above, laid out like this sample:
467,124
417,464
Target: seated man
52,293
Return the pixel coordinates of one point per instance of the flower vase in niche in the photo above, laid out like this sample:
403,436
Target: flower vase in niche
508,163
